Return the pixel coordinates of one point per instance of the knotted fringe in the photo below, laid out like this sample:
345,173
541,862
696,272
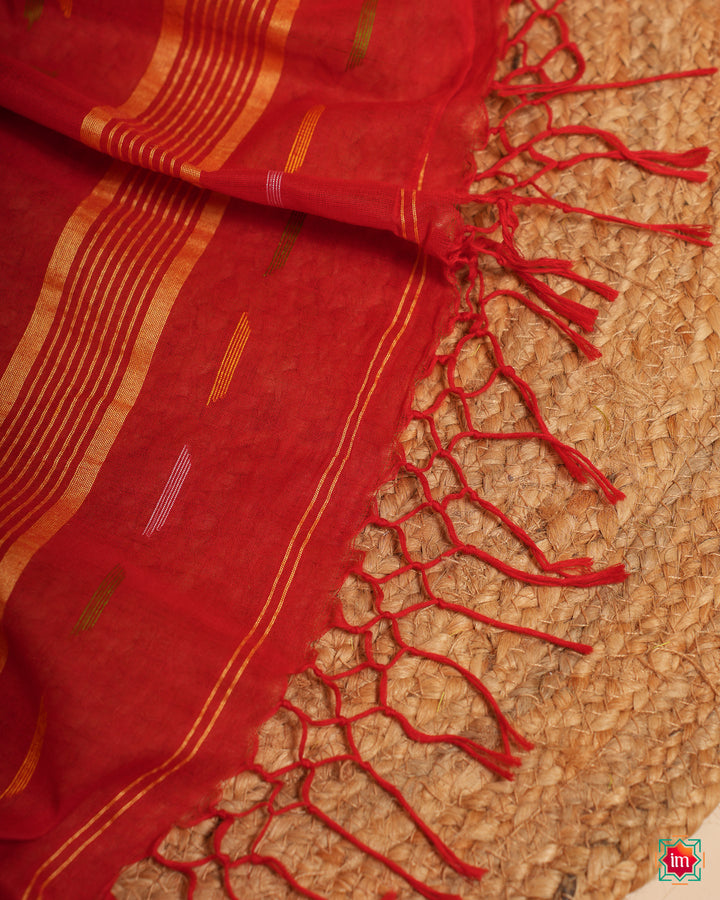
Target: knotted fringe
527,85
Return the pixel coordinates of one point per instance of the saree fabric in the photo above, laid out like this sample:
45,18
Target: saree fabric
224,233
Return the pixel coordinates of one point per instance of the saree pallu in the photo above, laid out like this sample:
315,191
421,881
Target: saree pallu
225,229
227,238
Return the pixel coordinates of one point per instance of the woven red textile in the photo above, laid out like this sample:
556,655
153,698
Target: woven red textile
207,345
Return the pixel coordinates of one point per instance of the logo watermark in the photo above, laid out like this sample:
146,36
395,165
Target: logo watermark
680,859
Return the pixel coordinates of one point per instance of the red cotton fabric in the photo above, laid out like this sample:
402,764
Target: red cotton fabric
224,236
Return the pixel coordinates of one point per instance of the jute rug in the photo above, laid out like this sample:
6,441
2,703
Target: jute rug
626,738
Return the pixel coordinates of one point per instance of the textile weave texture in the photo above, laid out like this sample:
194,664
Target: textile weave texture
249,235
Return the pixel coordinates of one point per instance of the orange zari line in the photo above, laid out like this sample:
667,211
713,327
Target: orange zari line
300,146
184,134
32,757
100,290
61,484
363,33
230,360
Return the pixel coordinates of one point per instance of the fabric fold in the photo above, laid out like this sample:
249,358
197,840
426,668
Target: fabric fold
198,132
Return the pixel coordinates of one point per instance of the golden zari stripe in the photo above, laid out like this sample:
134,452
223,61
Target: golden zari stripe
187,133
99,600
230,360
421,176
62,485
286,242
414,217
71,363
300,146
81,370
156,75
228,680
362,35
410,214
186,125
57,272
32,757
264,87
403,227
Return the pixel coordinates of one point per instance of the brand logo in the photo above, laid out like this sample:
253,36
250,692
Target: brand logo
680,859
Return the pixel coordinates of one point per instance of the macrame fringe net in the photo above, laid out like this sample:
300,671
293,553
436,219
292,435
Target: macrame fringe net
377,647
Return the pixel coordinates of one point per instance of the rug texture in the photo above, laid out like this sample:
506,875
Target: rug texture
434,732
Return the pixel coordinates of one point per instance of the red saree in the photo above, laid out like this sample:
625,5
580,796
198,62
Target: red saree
227,234
202,377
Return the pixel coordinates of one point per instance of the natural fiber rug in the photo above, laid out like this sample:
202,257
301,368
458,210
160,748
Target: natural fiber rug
626,738
517,696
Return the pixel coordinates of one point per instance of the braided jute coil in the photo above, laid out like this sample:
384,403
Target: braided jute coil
626,738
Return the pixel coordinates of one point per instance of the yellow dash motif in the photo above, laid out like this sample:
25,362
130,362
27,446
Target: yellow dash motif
33,11
299,149
362,35
99,600
32,757
230,360
286,242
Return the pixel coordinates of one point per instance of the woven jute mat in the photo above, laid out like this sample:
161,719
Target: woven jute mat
626,739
